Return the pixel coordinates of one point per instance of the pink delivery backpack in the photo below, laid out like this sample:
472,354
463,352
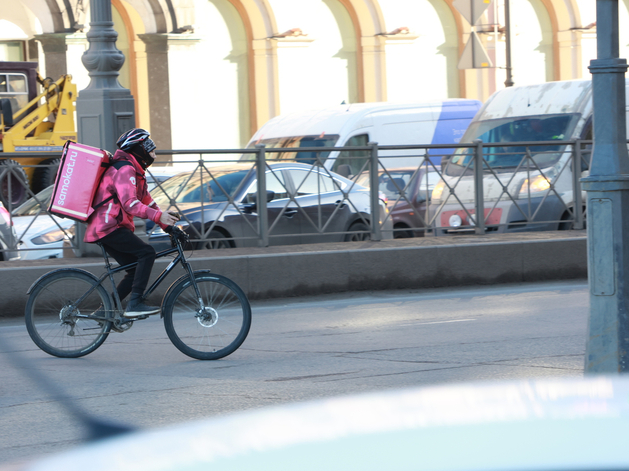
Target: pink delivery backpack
77,180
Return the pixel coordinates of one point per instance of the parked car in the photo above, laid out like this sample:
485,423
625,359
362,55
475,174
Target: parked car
305,205
547,424
7,236
357,124
42,235
526,186
407,192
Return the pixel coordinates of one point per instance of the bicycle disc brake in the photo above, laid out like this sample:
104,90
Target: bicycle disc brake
208,317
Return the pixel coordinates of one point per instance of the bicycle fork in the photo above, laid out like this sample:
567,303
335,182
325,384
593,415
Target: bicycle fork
196,287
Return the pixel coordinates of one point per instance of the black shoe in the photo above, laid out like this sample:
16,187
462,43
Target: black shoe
136,307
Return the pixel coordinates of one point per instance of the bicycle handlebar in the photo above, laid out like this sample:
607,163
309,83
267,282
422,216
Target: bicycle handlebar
176,233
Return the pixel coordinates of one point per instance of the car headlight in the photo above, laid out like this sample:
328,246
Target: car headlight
183,225
537,184
158,231
53,236
438,191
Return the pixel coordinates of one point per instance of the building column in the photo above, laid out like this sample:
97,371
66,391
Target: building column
569,59
157,48
55,53
266,86
374,68
158,88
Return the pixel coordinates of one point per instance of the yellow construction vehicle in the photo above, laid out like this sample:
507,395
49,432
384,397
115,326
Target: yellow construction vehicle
32,124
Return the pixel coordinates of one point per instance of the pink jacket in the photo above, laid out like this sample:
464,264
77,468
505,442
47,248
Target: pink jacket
131,199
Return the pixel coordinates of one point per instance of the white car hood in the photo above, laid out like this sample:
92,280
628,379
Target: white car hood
40,225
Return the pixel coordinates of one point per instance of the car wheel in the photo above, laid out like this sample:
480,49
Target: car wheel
221,242
402,232
567,221
358,232
45,175
19,184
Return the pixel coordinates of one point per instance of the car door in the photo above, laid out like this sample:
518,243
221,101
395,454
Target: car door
318,197
284,226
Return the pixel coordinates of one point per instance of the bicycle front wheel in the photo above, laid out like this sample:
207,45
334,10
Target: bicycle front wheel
211,332
68,314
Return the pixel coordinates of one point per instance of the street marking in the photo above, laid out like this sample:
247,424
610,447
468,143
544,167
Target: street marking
439,322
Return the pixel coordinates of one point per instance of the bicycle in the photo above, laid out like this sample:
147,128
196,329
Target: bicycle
69,313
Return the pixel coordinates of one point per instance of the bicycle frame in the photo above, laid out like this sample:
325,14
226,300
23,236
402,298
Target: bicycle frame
180,258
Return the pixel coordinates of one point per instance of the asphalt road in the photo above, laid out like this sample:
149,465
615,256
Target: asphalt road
298,349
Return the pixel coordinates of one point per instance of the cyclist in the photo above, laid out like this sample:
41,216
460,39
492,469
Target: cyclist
123,195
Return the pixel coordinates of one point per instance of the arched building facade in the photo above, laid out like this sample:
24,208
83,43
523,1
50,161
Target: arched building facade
208,73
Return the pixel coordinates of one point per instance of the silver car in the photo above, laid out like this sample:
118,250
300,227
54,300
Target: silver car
305,205
8,238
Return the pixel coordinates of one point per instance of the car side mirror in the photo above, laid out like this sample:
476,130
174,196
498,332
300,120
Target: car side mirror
251,204
344,170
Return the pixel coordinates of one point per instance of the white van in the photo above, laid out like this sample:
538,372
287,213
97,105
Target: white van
439,122
526,188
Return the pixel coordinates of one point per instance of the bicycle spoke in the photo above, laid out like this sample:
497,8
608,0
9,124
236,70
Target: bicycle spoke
214,331
52,314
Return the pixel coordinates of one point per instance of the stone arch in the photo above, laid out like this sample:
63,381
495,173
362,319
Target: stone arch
155,18
565,17
259,23
460,28
130,60
47,12
554,22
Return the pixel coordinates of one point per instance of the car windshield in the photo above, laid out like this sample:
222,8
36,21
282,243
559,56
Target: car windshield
324,140
508,130
187,188
398,180
31,207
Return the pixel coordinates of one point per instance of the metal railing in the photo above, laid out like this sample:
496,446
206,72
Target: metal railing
470,179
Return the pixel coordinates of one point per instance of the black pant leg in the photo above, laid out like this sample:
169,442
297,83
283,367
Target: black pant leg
125,247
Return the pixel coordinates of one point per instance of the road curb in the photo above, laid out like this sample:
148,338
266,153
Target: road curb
278,272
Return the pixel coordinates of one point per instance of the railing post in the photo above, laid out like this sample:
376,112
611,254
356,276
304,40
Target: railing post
263,214
576,185
376,233
479,195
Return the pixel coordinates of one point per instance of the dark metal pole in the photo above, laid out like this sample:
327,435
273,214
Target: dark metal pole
261,206
509,82
607,186
104,109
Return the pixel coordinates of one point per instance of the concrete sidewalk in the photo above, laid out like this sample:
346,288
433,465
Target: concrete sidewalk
286,271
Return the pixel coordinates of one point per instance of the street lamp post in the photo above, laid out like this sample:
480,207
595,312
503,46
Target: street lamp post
607,186
104,109
509,81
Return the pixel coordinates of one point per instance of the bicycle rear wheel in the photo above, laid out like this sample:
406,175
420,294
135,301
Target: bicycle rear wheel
217,330
54,313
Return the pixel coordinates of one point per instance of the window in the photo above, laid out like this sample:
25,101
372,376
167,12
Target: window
313,183
187,188
519,129
355,159
324,140
274,182
12,51
15,88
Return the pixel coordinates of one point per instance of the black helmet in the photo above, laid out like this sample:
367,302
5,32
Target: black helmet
137,142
